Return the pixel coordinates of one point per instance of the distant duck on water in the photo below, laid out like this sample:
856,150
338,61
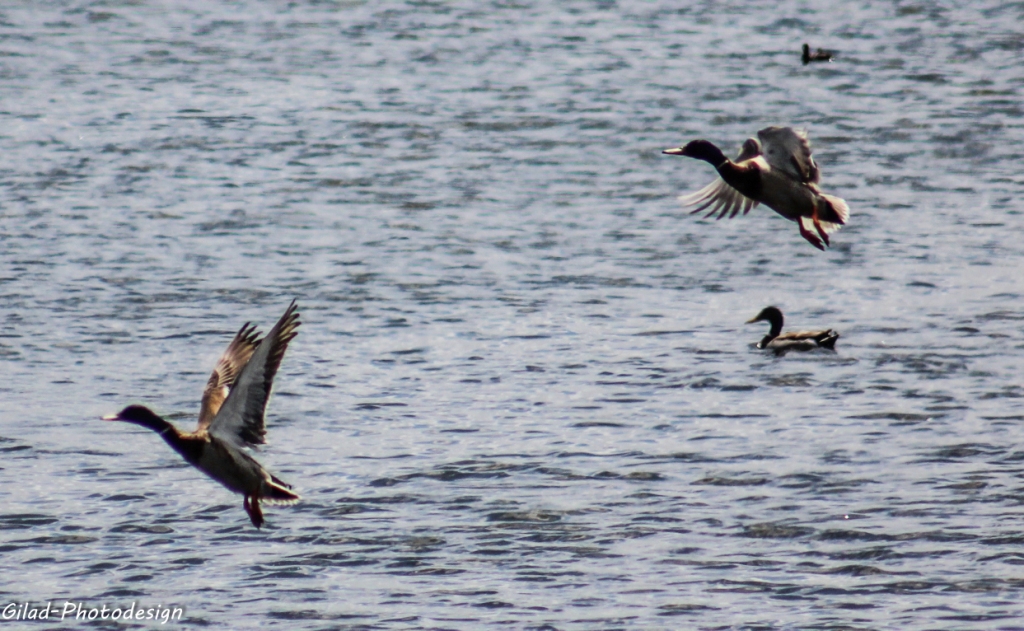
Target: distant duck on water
781,343
818,55
231,417
775,169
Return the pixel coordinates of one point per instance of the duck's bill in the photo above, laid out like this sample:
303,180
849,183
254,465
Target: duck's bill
111,417
678,151
751,321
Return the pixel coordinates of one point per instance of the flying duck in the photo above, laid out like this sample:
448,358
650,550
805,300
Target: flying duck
782,343
818,55
231,417
775,169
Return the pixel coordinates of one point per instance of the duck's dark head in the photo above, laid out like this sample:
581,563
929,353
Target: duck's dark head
772,315
701,150
139,415
769,314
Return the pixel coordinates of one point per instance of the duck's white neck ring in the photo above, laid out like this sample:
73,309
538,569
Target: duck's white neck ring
723,164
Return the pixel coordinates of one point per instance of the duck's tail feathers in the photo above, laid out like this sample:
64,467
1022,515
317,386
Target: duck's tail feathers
834,211
277,492
829,340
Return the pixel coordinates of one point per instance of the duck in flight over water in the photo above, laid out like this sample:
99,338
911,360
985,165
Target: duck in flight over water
232,416
775,169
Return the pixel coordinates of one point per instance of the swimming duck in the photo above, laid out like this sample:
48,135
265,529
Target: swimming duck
781,343
818,55
775,169
231,416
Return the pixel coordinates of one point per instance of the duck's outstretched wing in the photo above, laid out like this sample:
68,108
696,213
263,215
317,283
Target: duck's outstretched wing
240,420
788,150
718,198
230,364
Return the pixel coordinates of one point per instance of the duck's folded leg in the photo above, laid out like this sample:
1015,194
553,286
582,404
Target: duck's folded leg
810,236
817,226
251,503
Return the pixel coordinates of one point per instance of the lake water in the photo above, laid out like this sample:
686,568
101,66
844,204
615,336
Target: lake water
523,395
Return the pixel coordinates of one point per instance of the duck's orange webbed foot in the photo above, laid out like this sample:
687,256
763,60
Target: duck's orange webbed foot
252,507
817,226
810,236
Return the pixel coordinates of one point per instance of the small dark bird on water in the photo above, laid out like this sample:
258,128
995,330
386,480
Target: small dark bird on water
232,416
780,343
818,55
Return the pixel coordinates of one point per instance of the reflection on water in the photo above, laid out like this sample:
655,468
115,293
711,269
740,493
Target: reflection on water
524,394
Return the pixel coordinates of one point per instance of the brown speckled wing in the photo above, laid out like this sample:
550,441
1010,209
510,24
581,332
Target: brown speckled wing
240,420
228,367
804,335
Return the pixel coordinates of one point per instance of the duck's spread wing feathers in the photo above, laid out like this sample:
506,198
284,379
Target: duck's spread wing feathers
241,418
719,200
230,364
788,150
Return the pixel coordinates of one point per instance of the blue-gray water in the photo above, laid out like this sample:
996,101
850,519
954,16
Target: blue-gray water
523,395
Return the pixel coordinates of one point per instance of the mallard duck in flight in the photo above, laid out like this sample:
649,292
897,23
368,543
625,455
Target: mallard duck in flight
231,416
775,169
781,343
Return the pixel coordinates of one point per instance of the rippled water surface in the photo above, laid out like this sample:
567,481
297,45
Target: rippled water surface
523,395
